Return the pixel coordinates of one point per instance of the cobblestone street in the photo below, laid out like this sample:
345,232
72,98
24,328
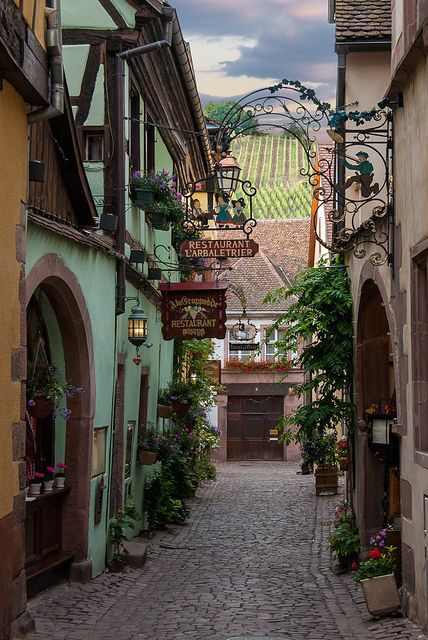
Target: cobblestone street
252,561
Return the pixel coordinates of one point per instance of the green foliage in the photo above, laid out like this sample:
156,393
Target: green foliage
205,470
161,505
236,120
345,540
276,166
192,358
123,520
319,318
380,566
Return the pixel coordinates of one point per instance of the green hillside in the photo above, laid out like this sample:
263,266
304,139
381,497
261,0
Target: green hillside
272,164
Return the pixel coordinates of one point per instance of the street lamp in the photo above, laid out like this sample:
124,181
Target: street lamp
137,329
228,172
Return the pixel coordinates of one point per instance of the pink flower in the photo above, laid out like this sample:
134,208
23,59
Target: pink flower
354,566
61,465
38,476
51,470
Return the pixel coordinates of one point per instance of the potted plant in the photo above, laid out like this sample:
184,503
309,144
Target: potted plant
377,579
60,475
181,396
148,447
164,406
36,483
343,453
165,207
344,539
49,479
46,391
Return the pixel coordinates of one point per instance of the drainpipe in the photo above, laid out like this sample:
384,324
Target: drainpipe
54,48
169,15
340,102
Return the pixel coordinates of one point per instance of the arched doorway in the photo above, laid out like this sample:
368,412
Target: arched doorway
377,466
58,320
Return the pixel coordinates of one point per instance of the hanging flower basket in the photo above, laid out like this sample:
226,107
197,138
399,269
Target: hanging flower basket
146,457
40,406
142,198
165,410
181,407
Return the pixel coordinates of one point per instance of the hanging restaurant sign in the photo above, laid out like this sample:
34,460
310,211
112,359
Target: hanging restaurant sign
204,248
240,346
193,310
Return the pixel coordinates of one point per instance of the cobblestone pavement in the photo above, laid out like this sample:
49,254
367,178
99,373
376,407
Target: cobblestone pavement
251,562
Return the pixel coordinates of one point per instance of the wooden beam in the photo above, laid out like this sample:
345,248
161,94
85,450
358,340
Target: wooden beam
88,84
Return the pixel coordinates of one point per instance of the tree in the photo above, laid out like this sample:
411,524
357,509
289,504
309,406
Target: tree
320,317
237,119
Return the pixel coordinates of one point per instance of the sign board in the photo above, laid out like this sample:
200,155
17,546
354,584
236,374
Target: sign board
213,369
205,248
243,346
193,310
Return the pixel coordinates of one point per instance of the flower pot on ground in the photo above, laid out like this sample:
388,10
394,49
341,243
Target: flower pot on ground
146,457
381,595
326,479
165,410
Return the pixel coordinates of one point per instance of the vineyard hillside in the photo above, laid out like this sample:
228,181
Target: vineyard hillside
272,164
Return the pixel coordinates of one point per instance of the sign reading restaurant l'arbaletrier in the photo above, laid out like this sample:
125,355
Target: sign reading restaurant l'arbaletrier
193,310
204,248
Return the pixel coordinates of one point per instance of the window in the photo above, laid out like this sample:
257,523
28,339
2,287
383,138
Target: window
271,351
419,345
99,451
150,139
242,354
93,150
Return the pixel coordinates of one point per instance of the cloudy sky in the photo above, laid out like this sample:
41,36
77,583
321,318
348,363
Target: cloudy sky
241,45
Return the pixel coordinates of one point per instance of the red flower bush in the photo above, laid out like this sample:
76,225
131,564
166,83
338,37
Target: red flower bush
375,554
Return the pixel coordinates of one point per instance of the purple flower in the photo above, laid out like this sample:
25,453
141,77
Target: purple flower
79,389
382,543
31,403
65,413
372,540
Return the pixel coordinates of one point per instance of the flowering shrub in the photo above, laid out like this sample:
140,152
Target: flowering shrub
258,365
344,539
381,560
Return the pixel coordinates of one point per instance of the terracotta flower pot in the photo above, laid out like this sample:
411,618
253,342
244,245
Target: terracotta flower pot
146,457
42,406
381,595
164,410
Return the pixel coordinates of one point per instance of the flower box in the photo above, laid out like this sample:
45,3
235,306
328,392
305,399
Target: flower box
381,595
146,457
159,221
142,198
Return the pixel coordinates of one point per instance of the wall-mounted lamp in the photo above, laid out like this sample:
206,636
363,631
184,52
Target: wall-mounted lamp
228,172
137,328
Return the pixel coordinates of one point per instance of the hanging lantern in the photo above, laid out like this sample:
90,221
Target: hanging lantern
137,326
228,172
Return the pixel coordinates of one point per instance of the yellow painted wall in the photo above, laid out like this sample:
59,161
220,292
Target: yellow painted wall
35,10
13,163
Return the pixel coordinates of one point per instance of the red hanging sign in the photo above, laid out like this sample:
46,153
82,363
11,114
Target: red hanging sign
193,310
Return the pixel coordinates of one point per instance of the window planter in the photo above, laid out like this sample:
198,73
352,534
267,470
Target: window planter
381,595
159,221
142,198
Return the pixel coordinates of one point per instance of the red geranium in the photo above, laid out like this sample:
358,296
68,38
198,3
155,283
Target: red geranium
374,554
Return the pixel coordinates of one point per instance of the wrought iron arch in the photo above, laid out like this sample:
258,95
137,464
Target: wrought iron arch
358,219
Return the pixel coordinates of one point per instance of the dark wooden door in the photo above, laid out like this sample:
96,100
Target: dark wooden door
249,424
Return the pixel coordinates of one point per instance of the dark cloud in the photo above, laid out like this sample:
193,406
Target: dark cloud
293,38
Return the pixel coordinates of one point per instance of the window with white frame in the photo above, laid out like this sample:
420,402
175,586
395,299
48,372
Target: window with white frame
271,350
242,354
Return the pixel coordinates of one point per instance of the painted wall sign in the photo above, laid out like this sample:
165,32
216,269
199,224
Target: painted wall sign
204,248
243,346
193,310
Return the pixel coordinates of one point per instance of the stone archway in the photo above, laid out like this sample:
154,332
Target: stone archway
64,293
375,381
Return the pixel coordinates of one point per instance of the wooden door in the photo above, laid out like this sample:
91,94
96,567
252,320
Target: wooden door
249,424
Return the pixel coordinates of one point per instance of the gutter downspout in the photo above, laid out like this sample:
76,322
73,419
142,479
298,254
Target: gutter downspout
340,102
54,48
169,16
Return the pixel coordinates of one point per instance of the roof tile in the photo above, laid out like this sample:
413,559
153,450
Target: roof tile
363,20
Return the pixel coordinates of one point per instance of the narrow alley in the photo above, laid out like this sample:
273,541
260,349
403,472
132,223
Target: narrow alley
252,561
